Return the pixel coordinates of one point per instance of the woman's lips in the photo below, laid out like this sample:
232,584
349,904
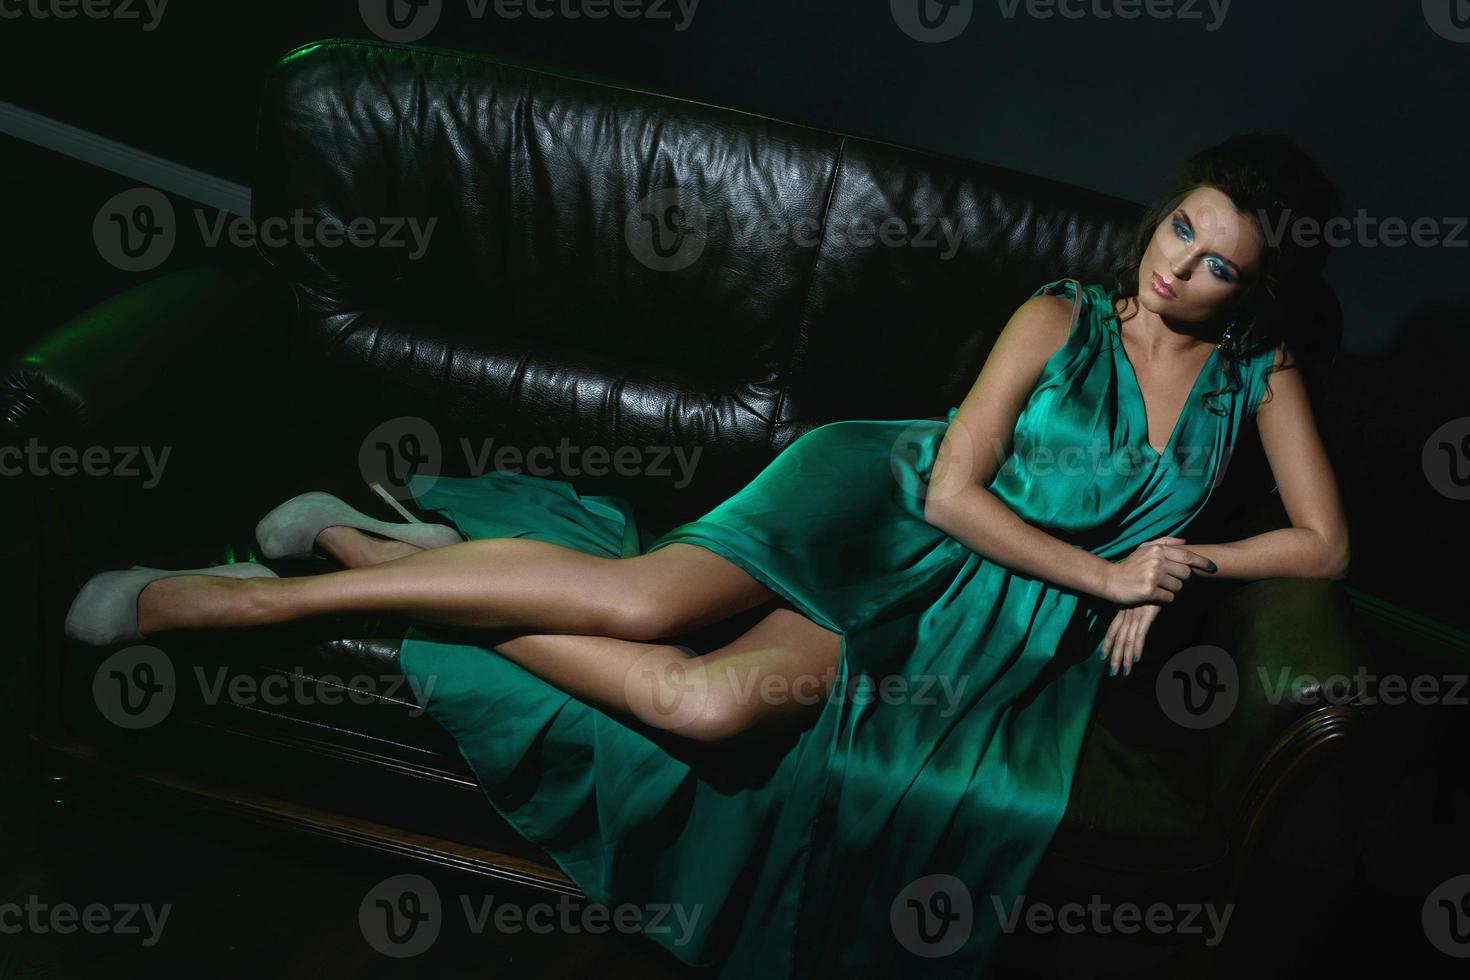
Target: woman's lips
1163,288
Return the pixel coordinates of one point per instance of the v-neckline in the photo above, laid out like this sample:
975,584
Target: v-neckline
1138,389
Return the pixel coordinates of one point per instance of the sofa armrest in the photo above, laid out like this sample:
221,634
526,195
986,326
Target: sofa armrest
1298,661
158,346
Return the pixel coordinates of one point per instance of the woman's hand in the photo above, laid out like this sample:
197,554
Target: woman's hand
1124,642
1153,572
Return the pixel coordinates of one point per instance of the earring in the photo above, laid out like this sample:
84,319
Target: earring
1225,337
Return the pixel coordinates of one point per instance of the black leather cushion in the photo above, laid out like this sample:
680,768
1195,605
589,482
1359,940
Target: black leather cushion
899,329
529,304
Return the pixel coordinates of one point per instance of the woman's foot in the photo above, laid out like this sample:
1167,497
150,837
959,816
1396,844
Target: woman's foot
294,529
354,548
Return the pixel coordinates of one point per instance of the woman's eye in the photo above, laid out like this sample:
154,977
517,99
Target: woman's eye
1182,230
1220,270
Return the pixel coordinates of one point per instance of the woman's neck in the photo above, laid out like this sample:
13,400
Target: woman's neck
1154,336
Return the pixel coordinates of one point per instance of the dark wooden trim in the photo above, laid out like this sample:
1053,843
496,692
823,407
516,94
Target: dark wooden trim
283,814
337,752
1306,746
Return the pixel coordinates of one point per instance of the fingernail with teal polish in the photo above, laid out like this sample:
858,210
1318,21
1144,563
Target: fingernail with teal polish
1113,670
1212,567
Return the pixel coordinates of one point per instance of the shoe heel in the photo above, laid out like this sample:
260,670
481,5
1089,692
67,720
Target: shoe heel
377,488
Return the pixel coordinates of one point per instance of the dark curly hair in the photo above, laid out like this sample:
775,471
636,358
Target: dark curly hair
1271,179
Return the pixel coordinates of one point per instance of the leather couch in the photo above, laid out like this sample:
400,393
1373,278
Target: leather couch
619,268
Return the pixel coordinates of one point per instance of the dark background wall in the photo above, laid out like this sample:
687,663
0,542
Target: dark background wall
1109,103
1376,92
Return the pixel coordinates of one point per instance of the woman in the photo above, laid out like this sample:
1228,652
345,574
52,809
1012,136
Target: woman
869,776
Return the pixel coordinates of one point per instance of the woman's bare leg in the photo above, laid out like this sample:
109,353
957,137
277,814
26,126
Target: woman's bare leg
774,676
514,583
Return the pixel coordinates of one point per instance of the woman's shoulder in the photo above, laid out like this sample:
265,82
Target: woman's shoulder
1046,315
1077,305
1054,327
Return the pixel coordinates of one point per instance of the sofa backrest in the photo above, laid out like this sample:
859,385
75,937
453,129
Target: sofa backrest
556,256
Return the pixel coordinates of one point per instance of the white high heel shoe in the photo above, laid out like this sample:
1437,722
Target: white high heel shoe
290,530
105,612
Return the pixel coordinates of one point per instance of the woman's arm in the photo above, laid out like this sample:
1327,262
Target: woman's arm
1316,544
977,442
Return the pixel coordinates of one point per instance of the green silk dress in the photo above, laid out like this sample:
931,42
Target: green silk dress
896,831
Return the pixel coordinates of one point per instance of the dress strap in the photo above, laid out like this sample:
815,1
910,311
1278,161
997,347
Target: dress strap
1076,301
1076,304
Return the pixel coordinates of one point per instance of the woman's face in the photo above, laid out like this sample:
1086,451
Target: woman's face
1202,257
